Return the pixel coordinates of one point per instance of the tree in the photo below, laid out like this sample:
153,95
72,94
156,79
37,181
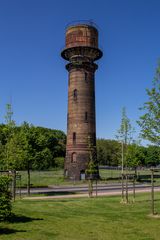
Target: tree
150,120
5,198
125,136
108,152
92,167
152,156
9,130
135,156
15,151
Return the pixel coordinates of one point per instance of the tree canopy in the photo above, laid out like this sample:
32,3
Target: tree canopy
30,145
150,120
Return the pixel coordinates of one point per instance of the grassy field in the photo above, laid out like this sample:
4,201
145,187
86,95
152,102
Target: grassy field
83,219
43,178
55,177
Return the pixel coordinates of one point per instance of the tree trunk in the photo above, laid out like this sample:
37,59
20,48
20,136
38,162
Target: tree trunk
13,185
136,172
126,188
90,187
28,182
134,191
122,188
152,191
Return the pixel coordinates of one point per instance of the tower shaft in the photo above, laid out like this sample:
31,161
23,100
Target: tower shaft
81,51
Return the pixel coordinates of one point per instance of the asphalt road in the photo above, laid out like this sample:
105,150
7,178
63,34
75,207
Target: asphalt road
59,190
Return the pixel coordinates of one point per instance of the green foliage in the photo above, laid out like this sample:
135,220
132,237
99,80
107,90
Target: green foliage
152,156
92,167
30,147
15,148
125,136
9,114
125,131
108,152
59,162
135,155
5,198
150,120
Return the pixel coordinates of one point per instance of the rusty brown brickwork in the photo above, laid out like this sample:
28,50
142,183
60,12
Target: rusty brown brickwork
81,51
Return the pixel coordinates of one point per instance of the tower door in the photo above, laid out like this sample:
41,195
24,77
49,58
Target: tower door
82,175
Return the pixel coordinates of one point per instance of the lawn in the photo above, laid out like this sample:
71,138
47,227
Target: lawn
43,178
55,177
102,218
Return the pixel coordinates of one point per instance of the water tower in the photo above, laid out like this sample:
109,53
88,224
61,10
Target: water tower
81,51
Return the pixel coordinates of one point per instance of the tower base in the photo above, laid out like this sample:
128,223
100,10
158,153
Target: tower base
75,166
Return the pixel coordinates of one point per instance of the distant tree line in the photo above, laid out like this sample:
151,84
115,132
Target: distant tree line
28,146
109,153
39,148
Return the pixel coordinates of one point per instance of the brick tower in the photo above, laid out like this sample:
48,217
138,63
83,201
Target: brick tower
81,50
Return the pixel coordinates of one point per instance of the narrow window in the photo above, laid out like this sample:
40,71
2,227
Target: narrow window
75,94
73,157
86,117
69,79
94,139
67,119
74,138
86,77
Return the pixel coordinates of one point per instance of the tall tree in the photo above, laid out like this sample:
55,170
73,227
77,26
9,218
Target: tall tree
92,167
150,120
9,129
108,152
153,155
125,136
135,156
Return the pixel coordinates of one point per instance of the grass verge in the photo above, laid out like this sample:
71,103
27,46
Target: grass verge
83,219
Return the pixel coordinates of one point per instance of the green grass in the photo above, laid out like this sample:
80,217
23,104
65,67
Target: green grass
83,219
43,178
55,177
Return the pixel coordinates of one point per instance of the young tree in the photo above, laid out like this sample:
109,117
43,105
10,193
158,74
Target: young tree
9,129
92,168
5,198
150,120
125,136
135,156
152,156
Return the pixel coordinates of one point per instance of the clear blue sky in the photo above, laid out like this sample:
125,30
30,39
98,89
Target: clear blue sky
32,73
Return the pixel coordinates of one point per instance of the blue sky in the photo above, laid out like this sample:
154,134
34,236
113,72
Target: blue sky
33,75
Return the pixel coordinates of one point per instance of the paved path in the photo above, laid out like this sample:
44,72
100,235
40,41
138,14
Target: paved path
80,188
109,193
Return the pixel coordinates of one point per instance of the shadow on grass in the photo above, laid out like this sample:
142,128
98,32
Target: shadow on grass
22,219
58,193
17,219
9,231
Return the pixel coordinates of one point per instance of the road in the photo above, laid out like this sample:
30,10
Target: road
105,188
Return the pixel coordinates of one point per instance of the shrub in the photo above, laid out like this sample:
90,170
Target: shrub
5,198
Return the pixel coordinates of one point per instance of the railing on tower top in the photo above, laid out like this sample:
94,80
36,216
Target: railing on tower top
83,22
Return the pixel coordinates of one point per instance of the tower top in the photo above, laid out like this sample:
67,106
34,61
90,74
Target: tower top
82,22
81,39
81,35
